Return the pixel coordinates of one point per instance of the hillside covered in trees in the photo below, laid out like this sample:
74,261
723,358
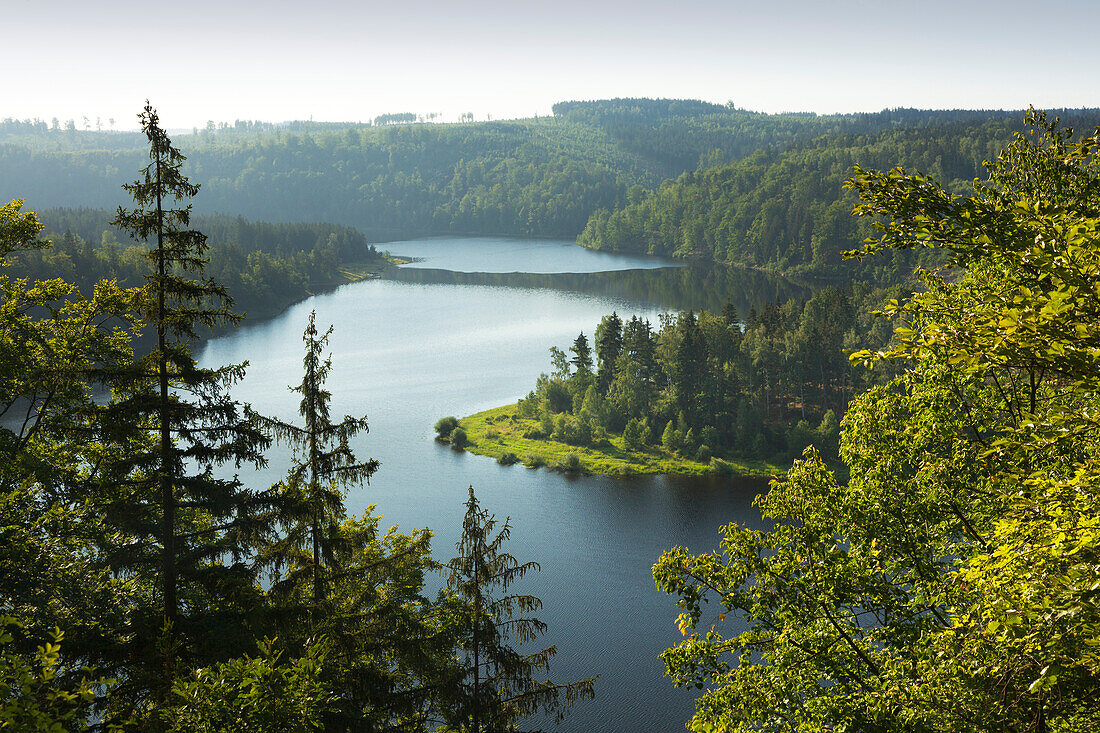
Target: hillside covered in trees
787,210
265,267
677,177
945,578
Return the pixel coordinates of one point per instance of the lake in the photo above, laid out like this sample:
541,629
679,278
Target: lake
467,328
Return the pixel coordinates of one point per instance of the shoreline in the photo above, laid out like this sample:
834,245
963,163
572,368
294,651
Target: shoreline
499,433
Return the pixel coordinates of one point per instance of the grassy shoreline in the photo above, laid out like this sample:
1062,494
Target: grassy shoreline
498,433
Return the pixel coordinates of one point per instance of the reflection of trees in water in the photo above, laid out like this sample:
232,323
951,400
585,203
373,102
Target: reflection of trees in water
674,288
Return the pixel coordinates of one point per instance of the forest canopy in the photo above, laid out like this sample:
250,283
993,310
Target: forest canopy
950,582
677,177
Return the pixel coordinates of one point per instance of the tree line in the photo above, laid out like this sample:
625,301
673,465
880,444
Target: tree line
265,266
142,588
713,385
753,189
787,210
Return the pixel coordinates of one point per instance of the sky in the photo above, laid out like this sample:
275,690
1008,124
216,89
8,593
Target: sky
338,60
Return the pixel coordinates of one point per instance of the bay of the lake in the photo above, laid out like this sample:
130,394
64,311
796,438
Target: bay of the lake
407,353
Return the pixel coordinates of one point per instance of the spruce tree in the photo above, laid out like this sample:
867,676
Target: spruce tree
497,686
174,523
338,579
312,491
609,344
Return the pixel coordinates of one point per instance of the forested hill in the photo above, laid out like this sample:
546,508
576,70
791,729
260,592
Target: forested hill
265,266
787,210
536,177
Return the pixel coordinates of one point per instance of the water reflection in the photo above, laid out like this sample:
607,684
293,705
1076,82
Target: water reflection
510,254
691,287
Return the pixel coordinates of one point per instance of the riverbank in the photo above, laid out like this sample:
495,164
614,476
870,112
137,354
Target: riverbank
499,433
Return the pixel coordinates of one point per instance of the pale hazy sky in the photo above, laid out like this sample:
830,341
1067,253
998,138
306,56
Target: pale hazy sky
341,60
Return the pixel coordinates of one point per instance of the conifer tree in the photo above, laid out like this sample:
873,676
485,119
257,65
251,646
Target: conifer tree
688,366
178,525
338,579
638,342
313,488
497,685
582,360
609,344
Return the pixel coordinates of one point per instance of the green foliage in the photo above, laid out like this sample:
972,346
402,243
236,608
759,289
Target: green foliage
555,393
609,344
458,438
312,506
545,177
949,584
737,389
262,694
785,209
339,579
54,344
445,425
636,433
496,684
671,438
33,697
169,519
263,266
610,456
568,463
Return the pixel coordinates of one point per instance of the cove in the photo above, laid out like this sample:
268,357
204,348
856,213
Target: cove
425,341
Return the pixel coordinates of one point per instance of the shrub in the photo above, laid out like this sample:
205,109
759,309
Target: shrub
508,458
703,454
559,427
690,444
528,406
445,426
534,461
459,439
577,431
569,462
557,396
717,465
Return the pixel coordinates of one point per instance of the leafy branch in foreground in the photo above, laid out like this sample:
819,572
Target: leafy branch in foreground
951,584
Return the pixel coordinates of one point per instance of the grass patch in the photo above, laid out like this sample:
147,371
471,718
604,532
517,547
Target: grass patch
500,433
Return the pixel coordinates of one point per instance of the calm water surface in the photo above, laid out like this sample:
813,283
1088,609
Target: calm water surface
407,353
507,254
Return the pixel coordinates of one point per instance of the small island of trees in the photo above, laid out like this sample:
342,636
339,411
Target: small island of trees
706,392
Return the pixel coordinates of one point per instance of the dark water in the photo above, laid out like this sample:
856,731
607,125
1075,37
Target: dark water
429,343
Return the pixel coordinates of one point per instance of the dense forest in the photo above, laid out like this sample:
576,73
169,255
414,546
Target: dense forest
788,210
938,573
947,580
142,588
753,189
264,266
711,386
